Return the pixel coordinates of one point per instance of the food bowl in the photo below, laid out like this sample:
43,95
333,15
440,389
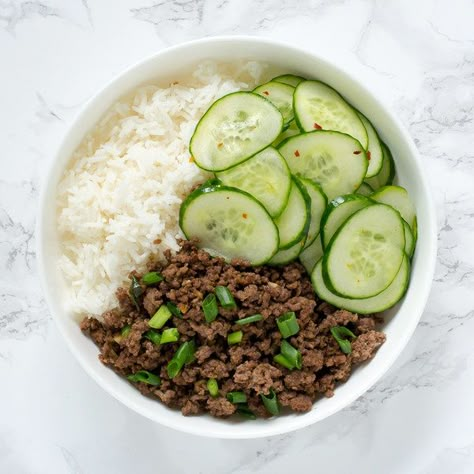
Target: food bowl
400,321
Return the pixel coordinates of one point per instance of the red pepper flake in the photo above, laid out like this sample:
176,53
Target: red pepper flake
266,92
368,155
244,215
297,153
220,145
157,241
357,152
317,126
191,159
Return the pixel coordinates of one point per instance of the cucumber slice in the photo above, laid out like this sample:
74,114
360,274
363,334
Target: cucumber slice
291,131
319,106
338,211
410,241
311,255
365,254
265,176
282,257
386,173
365,189
281,96
319,202
289,79
376,304
374,148
229,223
334,160
293,222
233,129
398,198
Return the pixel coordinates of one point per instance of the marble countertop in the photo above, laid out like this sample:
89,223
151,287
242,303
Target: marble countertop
55,54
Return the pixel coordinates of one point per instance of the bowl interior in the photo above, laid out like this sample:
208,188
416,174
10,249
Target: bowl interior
174,62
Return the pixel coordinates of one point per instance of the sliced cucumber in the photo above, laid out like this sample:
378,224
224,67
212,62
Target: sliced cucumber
398,198
374,148
293,222
376,304
289,79
338,211
310,255
365,189
365,254
334,160
409,240
233,129
319,106
281,96
319,202
386,173
265,176
291,131
282,257
229,223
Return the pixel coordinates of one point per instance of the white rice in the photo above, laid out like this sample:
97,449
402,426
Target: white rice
120,195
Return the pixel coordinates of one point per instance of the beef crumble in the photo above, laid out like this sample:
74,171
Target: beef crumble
189,276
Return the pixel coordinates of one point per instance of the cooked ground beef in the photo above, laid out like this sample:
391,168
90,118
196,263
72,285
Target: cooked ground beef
249,367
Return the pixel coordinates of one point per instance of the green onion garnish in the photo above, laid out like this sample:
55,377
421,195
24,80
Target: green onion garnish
339,333
245,412
225,297
250,319
135,291
234,337
271,403
288,325
125,331
291,354
282,360
175,311
159,319
182,356
237,397
169,335
213,387
151,278
153,336
209,306
145,377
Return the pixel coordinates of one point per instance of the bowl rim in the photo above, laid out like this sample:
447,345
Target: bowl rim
299,421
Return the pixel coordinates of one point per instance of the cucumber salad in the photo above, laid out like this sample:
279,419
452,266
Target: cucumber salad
299,173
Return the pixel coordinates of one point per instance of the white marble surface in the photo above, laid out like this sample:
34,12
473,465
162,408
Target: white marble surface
418,56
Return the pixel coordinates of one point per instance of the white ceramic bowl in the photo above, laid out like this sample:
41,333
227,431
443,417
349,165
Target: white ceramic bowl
401,321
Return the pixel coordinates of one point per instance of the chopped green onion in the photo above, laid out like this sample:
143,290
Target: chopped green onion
249,319
151,278
145,377
175,311
124,332
282,360
182,356
225,297
234,337
135,291
291,354
209,306
339,333
245,412
237,397
288,325
160,317
153,336
271,403
169,335
213,387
